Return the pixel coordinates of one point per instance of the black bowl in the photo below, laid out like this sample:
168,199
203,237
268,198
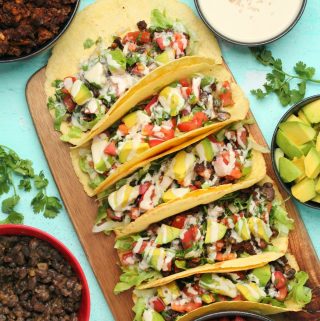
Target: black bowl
293,110
48,44
251,44
216,315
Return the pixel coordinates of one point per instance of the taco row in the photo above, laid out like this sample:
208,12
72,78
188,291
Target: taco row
161,139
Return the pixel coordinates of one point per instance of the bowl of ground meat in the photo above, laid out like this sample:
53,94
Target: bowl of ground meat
28,27
40,279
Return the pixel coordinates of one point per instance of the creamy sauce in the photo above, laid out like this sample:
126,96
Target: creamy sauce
250,20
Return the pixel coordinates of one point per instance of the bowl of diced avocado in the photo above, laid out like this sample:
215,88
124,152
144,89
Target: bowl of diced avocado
295,151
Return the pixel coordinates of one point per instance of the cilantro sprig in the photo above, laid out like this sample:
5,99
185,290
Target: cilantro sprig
11,168
278,80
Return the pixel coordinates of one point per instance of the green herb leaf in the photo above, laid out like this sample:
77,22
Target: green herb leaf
13,218
25,184
38,203
40,181
9,203
88,43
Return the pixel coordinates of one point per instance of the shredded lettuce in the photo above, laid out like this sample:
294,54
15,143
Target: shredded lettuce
273,302
138,309
280,220
125,244
132,277
299,293
74,132
160,20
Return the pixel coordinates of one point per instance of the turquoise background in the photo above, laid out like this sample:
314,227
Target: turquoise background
17,131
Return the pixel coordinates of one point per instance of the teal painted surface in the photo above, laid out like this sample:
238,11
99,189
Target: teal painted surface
17,131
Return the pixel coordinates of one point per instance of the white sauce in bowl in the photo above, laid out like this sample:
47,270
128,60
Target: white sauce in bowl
250,21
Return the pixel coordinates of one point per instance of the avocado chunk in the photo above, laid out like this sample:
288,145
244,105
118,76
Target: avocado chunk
305,148
205,150
100,159
242,228
135,118
288,147
215,231
299,162
130,149
168,292
156,257
316,198
121,198
259,228
80,93
298,132
303,117
218,284
312,112
182,164
251,292
165,57
288,170
318,143
278,153
312,163
305,190
116,61
263,274
167,234
317,188
294,118
171,100
174,193
151,315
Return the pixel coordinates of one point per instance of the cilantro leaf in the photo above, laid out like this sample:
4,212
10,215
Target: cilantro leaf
13,218
25,184
40,181
9,203
303,71
88,43
38,203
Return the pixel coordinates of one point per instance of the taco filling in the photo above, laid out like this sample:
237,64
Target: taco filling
240,224
275,284
219,159
83,99
179,108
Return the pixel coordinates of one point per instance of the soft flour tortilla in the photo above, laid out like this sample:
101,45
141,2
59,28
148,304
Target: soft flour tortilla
180,69
251,262
108,18
260,308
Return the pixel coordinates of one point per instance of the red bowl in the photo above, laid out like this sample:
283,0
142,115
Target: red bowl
11,229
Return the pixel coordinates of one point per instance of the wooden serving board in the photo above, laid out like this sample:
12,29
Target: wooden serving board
99,248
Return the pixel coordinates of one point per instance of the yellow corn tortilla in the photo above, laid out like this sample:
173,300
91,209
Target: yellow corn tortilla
260,308
180,69
251,262
108,18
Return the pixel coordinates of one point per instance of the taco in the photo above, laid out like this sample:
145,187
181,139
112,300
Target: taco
187,176
185,103
273,288
246,228
103,56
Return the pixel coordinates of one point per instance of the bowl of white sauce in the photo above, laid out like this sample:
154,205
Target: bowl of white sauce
250,22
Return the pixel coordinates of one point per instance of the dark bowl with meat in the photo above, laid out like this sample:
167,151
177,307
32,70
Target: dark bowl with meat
233,316
40,278
29,27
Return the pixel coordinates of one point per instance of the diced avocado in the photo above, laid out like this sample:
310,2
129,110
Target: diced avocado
205,150
165,57
215,231
116,61
303,117
316,198
169,292
218,284
299,162
101,166
294,118
288,147
174,193
122,197
242,228
305,148
259,228
207,298
182,164
167,234
158,255
131,119
278,153
263,274
312,112
317,188
298,132
130,149
95,75
318,143
151,315
100,163
288,170
305,190
80,92
251,292
171,100
312,163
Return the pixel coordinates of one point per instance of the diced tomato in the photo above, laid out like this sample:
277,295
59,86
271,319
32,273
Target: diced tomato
225,257
142,248
279,280
180,45
226,99
189,291
166,133
124,129
69,103
185,82
111,149
187,307
193,187
244,137
189,237
126,258
219,245
132,47
214,140
157,304
221,298
235,218
239,297
147,130
179,221
134,213
201,117
155,142
241,275
149,105
160,43
112,216
144,187
187,126
138,37
177,36
174,122
235,173
282,294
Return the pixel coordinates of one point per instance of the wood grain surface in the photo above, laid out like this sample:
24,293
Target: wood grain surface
99,248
